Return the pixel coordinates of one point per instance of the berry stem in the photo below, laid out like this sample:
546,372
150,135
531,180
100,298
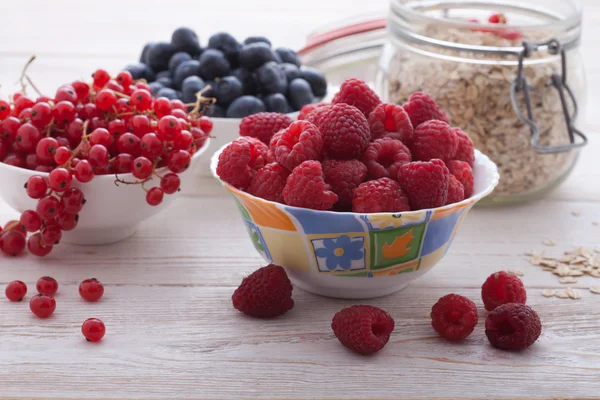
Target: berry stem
33,85
23,75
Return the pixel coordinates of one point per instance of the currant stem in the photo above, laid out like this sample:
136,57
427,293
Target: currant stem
23,74
33,85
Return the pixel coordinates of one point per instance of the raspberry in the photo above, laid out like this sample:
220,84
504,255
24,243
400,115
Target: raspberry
357,93
465,150
456,191
390,120
264,125
425,182
513,326
434,139
384,157
301,141
308,109
317,117
268,182
421,108
260,147
345,130
265,293
454,317
381,195
274,141
239,161
364,329
464,173
344,176
306,187
501,288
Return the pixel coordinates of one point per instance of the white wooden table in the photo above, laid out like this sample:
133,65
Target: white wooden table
171,330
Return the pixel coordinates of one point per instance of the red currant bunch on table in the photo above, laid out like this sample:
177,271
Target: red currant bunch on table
110,126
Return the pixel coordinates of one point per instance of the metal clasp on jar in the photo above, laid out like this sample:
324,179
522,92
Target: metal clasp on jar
553,47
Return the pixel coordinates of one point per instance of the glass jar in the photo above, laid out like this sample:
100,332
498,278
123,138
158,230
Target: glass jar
514,88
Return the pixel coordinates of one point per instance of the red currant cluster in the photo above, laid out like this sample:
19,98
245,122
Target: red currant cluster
43,304
110,126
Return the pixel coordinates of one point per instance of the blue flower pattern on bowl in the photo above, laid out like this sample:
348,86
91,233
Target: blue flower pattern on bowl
342,253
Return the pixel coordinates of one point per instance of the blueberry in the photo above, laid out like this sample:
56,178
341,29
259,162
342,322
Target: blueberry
316,79
254,55
257,39
163,74
228,45
271,78
159,56
190,86
215,111
155,87
177,59
289,56
300,93
212,91
227,90
168,93
185,69
213,64
278,59
185,39
144,55
277,102
244,106
166,81
248,81
291,71
137,71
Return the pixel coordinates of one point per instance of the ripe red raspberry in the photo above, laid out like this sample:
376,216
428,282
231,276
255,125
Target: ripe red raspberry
268,182
239,161
357,93
364,329
308,109
501,288
317,116
274,141
345,130
426,183
454,317
464,173
381,195
391,120
259,146
306,187
513,326
434,139
421,108
465,149
265,293
384,157
264,125
301,141
456,191
344,176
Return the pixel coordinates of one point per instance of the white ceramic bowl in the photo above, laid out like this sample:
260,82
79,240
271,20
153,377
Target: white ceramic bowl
112,213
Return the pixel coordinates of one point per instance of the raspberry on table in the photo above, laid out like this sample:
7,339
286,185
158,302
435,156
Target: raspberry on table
381,195
345,131
239,161
265,293
364,329
268,182
384,157
513,326
344,176
454,317
357,93
264,125
306,187
465,150
464,173
301,141
456,191
501,288
434,139
425,183
421,108
391,120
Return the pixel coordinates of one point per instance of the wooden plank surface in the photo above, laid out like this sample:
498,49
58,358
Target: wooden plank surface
171,330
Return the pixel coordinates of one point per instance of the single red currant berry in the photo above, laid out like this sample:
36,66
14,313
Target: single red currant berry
181,114
141,99
101,78
22,103
62,155
45,149
105,99
101,136
74,131
16,160
4,109
177,104
179,161
66,93
91,289
31,221
64,112
123,106
116,127
154,196
123,163
142,168
84,171
42,306
31,162
152,146
41,115
36,187
170,183
60,179
51,235
37,247
90,111
199,136
168,128
62,141
13,242
47,285
16,226
125,78
93,330
162,107
66,221
184,140
9,127
206,124
48,207
72,201
114,86
82,89
25,115
98,156
27,138
16,291
140,125
130,144
143,85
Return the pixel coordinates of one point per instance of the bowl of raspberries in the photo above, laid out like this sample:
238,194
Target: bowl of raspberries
355,190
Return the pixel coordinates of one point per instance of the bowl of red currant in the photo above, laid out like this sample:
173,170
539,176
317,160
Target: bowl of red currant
89,164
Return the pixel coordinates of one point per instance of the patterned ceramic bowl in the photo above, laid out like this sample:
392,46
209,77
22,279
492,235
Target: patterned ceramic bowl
351,255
